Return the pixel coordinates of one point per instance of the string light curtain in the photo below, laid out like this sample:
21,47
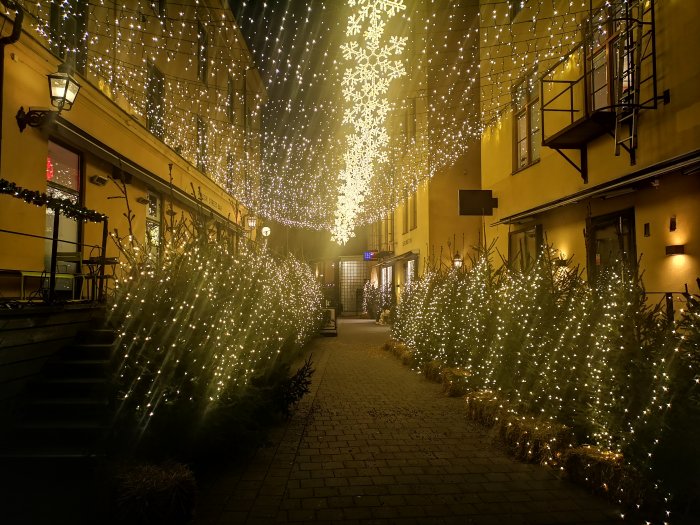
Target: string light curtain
294,171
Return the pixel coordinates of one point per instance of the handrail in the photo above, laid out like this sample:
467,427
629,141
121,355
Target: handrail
65,207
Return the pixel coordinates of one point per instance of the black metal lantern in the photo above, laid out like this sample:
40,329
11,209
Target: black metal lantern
457,261
63,89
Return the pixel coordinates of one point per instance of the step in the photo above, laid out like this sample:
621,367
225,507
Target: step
96,336
71,387
88,351
62,407
78,368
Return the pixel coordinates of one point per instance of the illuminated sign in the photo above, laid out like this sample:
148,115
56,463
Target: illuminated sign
370,256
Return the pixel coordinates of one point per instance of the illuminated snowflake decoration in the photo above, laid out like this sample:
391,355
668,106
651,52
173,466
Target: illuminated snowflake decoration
365,87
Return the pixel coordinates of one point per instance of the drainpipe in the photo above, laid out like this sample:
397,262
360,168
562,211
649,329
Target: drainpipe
11,39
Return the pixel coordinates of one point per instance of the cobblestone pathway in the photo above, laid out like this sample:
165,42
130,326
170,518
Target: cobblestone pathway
376,443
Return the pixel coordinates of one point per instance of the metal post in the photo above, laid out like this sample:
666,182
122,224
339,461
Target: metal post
100,296
54,249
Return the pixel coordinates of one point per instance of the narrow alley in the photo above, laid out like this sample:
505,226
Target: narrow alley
374,442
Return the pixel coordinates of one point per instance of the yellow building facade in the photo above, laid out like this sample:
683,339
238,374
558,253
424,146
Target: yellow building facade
591,134
167,116
437,103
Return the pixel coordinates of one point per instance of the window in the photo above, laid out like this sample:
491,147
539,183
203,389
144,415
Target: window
159,7
201,144
387,287
412,212
202,52
231,99
153,220
604,56
155,97
610,240
404,222
526,105
524,246
62,182
67,30
515,7
411,271
410,129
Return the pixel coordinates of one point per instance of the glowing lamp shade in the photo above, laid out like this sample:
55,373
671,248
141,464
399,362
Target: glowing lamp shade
457,260
266,231
63,89
251,222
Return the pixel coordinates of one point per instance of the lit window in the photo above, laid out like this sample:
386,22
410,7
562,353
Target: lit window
153,230
62,182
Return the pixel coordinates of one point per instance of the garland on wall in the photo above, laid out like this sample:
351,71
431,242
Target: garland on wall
63,206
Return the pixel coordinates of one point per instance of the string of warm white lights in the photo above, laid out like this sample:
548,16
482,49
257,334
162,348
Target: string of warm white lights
600,360
473,62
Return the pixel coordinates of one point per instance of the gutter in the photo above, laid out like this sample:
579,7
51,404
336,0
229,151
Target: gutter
4,41
687,163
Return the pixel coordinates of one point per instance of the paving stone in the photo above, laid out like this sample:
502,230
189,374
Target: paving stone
374,442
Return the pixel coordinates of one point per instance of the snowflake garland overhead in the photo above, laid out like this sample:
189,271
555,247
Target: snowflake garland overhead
365,85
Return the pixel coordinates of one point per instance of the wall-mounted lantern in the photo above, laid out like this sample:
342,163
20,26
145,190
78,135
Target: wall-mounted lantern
63,90
675,249
457,261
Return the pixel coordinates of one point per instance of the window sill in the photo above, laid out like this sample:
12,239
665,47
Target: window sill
534,162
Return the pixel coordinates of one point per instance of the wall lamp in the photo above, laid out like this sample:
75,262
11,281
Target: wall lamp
251,222
675,249
63,89
457,260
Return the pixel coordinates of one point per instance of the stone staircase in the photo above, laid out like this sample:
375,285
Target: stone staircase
66,411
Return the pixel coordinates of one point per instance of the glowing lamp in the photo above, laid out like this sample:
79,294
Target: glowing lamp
457,260
266,231
675,249
63,89
251,222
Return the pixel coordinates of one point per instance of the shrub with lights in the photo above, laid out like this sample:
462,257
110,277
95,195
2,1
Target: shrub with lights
207,336
568,372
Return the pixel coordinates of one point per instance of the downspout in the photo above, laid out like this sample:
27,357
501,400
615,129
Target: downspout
4,41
